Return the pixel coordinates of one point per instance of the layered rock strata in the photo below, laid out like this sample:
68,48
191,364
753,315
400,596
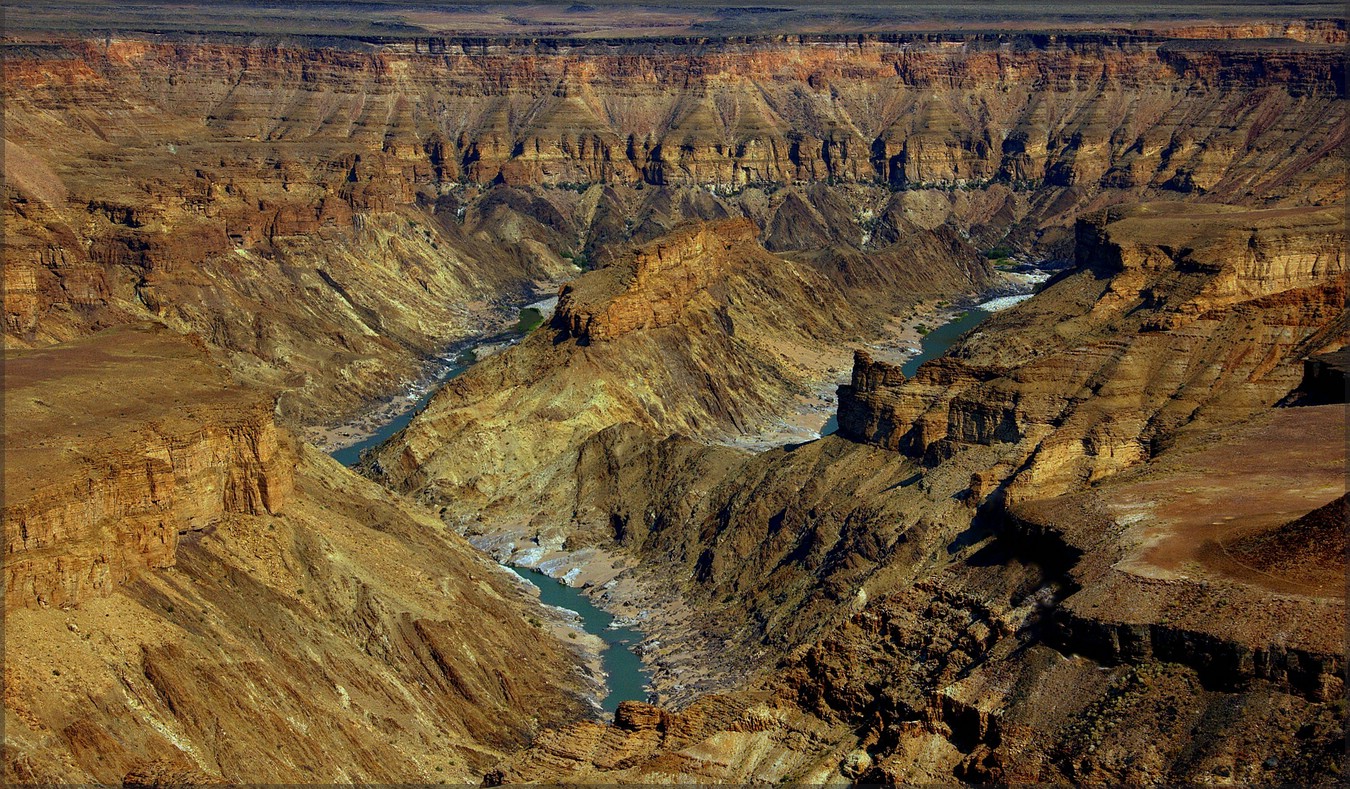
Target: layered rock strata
700,333
299,205
1178,620
1149,339
192,596
97,493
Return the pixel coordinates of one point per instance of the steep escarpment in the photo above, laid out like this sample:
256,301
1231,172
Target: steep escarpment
192,595
652,292
700,333
92,499
679,114
948,681
286,263
1069,550
313,208
1163,624
1195,557
1240,296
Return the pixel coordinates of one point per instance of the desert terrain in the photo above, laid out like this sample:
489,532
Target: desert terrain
648,287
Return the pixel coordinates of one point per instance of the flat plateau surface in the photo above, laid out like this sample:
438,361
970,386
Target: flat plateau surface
1205,505
624,19
125,377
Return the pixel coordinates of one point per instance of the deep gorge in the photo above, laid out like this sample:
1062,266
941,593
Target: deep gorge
1013,564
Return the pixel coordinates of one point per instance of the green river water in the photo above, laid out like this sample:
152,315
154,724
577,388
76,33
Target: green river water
628,678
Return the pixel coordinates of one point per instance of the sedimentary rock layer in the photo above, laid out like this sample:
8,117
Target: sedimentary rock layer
1177,317
191,595
313,207
1163,623
700,333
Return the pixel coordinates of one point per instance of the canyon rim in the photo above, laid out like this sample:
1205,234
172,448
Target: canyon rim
892,394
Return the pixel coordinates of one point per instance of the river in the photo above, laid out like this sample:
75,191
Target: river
934,344
350,456
628,679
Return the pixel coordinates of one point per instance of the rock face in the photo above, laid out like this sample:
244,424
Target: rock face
911,109
699,333
192,596
652,291
94,498
1194,558
1240,294
321,210
1326,379
1077,548
942,582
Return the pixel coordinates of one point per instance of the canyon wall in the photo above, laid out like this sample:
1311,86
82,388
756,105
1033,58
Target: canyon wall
330,213
1168,552
192,595
905,109
1241,296
699,333
83,514
196,595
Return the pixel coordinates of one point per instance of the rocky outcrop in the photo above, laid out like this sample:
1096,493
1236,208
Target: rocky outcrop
318,208
193,596
699,333
1325,380
1193,558
1226,657
651,290
91,502
862,403
976,647
1152,284
722,739
225,604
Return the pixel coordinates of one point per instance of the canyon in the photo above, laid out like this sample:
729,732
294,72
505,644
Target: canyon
1099,539
193,595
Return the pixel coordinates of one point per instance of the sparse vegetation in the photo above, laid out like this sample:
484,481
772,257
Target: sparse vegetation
579,259
530,319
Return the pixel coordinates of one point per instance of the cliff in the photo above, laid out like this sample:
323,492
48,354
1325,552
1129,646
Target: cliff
96,494
1240,295
332,213
699,333
192,595
1220,555
1073,539
1190,610
651,289
1325,379
628,113
1080,547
